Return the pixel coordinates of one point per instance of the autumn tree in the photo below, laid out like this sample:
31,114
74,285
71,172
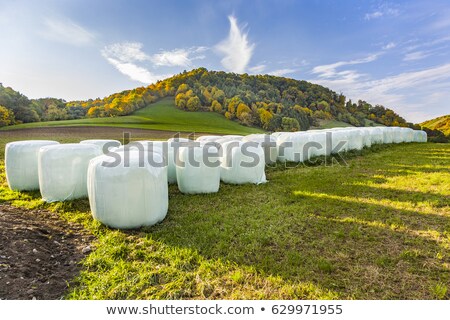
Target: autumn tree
6,117
193,104
216,106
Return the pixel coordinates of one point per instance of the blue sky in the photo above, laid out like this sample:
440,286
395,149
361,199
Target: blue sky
391,53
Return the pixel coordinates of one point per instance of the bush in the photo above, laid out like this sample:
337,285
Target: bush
193,104
289,124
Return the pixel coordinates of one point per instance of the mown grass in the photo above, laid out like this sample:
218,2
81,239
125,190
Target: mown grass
378,228
161,115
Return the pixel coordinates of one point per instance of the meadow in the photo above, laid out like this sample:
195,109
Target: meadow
161,115
376,228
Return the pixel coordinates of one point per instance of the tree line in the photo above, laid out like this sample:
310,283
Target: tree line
269,102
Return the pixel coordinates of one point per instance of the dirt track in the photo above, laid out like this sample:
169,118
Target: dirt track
39,253
87,132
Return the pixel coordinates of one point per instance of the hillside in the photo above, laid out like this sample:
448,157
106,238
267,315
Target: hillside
162,115
268,102
441,123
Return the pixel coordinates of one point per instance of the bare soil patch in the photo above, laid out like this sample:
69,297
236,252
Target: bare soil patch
39,253
88,132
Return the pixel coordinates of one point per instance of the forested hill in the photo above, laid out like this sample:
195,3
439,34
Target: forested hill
270,102
440,123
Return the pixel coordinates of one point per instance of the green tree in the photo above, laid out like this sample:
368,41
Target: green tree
289,124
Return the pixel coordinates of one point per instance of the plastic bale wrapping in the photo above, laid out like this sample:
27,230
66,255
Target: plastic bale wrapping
145,146
208,138
388,135
21,163
63,170
376,135
234,137
397,135
268,143
278,133
419,136
293,147
367,139
318,143
198,168
242,162
128,192
407,134
103,143
339,140
174,145
355,139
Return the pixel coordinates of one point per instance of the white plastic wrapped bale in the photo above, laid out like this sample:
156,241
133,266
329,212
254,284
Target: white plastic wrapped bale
103,143
234,137
127,196
174,145
21,163
420,136
388,135
63,170
355,139
198,168
208,138
292,146
397,135
242,162
339,140
367,139
278,133
318,141
376,135
407,134
146,148
268,143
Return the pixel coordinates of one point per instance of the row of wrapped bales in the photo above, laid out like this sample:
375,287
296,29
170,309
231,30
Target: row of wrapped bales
268,144
128,185
302,145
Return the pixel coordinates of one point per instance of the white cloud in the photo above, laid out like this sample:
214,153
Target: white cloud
330,70
417,55
66,31
236,48
125,51
401,92
383,10
123,56
373,15
282,72
135,72
178,57
389,46
257,69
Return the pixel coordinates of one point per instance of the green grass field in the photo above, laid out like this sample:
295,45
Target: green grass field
162,115
378,228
